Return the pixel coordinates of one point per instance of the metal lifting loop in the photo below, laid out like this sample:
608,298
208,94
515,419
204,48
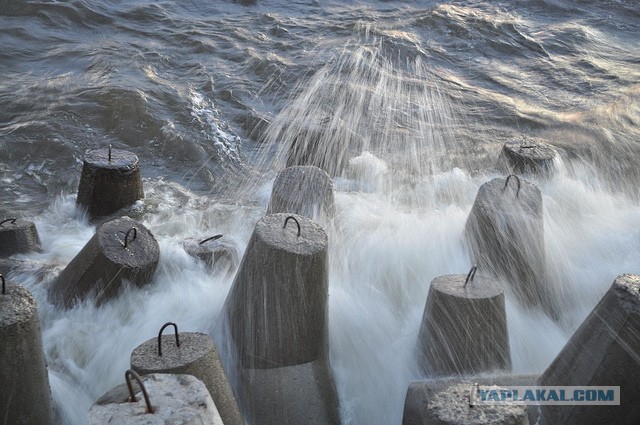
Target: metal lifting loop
471,275
160,336
294,219
132,397
109,153
12,220
506,183
4,287
126,236
212,238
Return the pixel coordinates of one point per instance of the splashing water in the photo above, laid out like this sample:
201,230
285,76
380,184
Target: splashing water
380,126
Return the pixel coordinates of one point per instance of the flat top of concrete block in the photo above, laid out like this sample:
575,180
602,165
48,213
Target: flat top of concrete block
479,287
311,240
141,247
496,195
12,226
196,246
193,346
534,149
176,399
120,159
16,305
452,406
627,287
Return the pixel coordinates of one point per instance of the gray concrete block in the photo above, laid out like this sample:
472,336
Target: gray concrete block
424,405
303,190
527,155
175,399
603,351
196,355
302,394
110,180
18,237
277,306
218,255
115,254
505,231
464,327
25,395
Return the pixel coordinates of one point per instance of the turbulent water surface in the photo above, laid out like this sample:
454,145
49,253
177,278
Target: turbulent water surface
408,104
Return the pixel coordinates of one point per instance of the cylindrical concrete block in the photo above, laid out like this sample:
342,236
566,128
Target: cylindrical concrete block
464,327
110,180
196,355
174,399
294,395
25,396
451,407
277,306
505,231
18,237
528,155
121,250
214,251
604,351
303,190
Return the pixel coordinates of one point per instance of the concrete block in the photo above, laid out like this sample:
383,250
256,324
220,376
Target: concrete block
121,250
18,237
527,155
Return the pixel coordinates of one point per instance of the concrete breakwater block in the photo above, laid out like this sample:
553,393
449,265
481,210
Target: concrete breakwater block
277,306
166,400
505,231
276,313
527,155
604,351
303,190
121,250
301,394
215,252
25,395
192,354
18,237
464,327
110,180
446,401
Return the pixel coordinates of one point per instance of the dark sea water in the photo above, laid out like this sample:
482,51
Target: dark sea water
416,97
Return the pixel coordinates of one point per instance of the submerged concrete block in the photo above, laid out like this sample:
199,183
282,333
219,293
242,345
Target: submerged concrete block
505,231
174,399
526,155
121,250
110,180
604,351
464,327
303,190
25,395
18,237
217,254
192,354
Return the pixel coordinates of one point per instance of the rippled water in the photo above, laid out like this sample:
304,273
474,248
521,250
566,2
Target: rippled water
421,96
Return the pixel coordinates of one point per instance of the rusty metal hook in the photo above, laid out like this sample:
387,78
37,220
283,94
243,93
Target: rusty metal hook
4,288
507,183
212,238
132,397
470,276
109,153
126,236
160,336
12,220
294,219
